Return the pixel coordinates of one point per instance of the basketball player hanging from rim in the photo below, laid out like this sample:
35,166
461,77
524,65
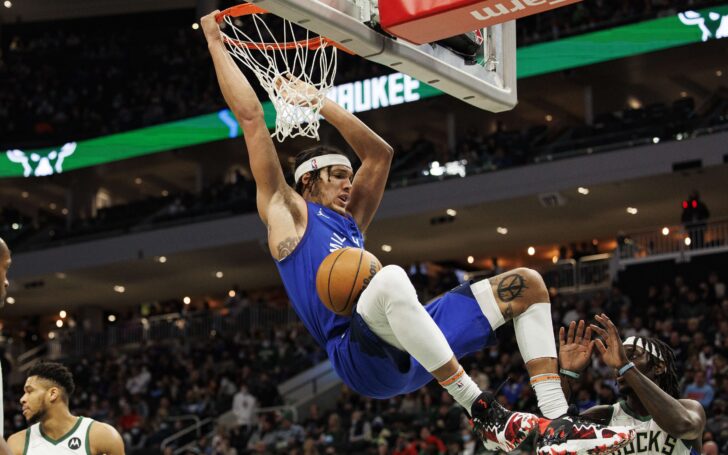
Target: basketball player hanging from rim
393,345
648,382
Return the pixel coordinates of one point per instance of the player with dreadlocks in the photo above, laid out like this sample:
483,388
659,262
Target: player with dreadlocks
648,381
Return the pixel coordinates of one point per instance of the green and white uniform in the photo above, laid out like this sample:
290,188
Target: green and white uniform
75,442
650,438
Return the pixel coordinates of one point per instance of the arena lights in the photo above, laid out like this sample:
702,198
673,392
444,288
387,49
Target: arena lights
61,276
451,212
502,230
63,314
10,300
555,259
231,293
52,206
219,274
386,248
120,289
634,102
195,26
683,94
632,210
111,318
666,231
24,195
8,4
186,300
719,73
549,117
583,190
138,180
161,259
531,251
15,226
59,323
51,335
64,211
471,259
655,140
165,193
688,241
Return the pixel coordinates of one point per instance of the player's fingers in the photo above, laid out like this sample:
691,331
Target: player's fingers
590,348
579,331
600,347
570,336
611,327
561,336
587,335
600,331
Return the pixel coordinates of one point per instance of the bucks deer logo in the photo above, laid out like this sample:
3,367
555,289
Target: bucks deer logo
713,24
39,164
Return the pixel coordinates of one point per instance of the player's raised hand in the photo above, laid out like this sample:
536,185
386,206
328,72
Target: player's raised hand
575,346
211,27
612,352
296,91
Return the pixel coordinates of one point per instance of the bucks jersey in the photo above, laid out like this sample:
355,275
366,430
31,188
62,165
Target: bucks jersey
75,442
650,438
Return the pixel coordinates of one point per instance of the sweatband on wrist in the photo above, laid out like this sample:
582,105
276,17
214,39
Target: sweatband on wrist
569,373
626,368
318,162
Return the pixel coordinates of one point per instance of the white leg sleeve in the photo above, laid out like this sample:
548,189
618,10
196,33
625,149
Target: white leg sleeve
390,307
535,332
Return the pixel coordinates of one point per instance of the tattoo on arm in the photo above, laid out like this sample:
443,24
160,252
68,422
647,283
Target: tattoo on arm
286,247
510,288
508,313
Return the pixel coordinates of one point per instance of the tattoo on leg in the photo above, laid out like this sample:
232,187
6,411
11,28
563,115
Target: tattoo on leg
511,287
286,247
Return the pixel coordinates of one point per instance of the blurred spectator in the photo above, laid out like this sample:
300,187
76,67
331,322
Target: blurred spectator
694,217
244,407
699,390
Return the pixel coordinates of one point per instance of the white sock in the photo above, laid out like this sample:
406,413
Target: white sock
535,337
462,388
551,400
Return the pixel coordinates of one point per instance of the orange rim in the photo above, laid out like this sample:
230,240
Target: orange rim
246,9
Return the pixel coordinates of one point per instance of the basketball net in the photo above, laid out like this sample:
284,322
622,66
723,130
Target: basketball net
296,73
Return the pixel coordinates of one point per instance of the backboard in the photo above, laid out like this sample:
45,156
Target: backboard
489,84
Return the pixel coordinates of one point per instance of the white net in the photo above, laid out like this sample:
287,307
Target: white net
295,72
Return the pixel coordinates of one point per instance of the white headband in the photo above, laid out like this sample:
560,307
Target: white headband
319,162
634,341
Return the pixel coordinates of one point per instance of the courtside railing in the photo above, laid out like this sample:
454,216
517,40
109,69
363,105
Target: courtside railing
677,242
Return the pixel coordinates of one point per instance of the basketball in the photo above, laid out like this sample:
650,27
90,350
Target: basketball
343,276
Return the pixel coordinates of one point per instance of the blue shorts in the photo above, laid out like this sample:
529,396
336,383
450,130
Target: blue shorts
376,369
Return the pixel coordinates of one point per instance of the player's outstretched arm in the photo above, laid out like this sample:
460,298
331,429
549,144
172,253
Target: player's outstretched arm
15,445
105,440
246,107
683,419
375,155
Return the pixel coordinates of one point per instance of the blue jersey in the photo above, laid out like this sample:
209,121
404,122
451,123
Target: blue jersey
365,362
326,231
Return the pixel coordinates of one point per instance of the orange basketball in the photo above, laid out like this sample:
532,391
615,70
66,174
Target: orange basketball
342,277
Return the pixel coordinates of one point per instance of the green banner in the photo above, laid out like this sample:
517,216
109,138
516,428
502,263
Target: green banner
375,93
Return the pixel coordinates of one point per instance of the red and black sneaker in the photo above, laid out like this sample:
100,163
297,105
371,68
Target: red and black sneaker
573,435
499,428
